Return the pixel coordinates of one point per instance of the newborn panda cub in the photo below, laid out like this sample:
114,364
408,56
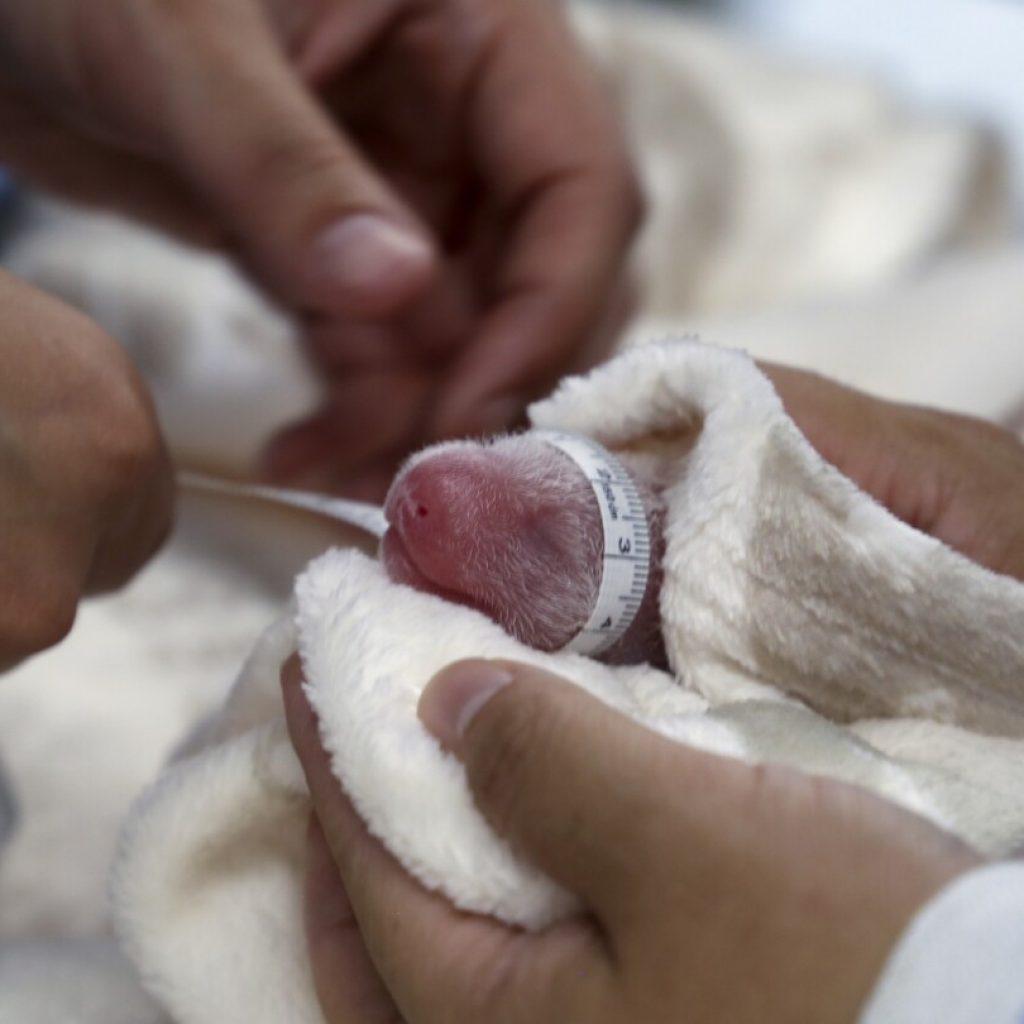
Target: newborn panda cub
513,529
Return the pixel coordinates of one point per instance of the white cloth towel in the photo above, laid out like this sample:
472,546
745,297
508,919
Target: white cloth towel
960,960
804,625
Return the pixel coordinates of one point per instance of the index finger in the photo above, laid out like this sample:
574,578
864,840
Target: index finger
554,160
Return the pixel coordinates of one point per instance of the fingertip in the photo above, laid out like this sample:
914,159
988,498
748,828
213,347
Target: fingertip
368,266
519,352
456,694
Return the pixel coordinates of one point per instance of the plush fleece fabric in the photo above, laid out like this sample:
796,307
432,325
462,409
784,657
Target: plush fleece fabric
805,626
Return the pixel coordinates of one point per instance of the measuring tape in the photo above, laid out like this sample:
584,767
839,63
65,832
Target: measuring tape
627,542
356,513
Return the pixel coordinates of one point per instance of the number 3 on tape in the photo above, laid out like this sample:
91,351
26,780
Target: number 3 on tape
627,543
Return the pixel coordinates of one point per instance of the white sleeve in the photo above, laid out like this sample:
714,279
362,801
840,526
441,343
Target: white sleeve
961,960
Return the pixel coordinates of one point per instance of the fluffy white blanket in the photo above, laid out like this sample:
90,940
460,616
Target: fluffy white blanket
783,581
811,191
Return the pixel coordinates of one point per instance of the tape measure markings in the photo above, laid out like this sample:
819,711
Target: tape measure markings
625,564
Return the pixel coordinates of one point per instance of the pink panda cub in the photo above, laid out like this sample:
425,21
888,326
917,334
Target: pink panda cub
512,528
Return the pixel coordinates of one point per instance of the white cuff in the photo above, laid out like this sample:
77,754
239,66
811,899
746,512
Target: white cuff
961,960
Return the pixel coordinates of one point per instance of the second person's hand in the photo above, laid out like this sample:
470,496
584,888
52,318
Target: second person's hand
955,477
440,187
86,489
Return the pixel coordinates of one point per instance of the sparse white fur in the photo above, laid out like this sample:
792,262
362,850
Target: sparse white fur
536,593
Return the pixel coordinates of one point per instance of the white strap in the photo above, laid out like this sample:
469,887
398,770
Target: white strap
360,514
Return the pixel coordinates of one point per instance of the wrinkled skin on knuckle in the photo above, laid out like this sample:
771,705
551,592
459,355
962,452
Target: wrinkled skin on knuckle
75,57
311,166
515,984
125,61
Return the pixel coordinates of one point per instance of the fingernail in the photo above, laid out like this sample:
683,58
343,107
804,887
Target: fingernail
454,697
372,264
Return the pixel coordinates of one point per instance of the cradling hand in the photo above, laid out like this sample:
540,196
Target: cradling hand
438,189
955,477
712,890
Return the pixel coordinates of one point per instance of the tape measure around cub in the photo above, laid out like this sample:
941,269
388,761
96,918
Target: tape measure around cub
627,542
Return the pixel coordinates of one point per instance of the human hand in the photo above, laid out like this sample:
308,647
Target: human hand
85,483
957,478
440,186
713,891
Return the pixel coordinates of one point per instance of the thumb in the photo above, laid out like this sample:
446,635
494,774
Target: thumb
315,221
576,787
